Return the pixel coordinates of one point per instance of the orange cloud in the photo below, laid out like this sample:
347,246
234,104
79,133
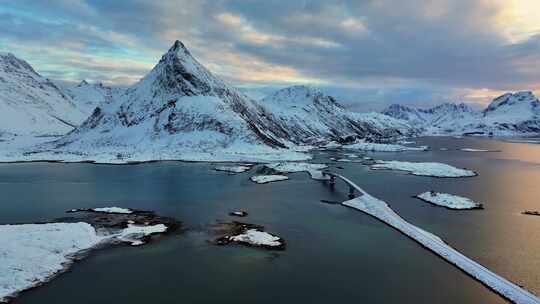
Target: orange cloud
518,19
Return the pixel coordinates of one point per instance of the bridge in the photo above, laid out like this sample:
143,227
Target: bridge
353,188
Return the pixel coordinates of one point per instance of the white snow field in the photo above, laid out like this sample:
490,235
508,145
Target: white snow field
31,254
449,201
476,150
380,210
87,96
32,105
232,169
112,210
263,179
376,147
423,169
314,170
257,238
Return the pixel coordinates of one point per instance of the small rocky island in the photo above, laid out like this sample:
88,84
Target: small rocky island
448,201
530,212
248,235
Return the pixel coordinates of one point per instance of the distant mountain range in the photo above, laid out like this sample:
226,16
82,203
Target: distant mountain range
508,115
310,116
181,110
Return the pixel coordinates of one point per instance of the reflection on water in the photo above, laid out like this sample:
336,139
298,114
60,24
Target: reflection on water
334,254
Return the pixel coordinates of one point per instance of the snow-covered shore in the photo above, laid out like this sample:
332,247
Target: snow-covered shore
29,148
32,254
380,210
377,147
423,168
128,155
449,201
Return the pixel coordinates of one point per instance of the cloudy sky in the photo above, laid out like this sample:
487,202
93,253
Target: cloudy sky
369,53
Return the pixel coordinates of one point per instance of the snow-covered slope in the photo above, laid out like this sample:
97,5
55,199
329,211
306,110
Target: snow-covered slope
513,113
310,116
178,110
444,118
31,104
509,114
88,96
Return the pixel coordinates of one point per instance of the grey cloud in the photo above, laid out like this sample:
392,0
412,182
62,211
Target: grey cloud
441,48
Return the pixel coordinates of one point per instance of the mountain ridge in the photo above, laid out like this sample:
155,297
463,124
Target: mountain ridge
178,108
311,115
181,110
31,104
507,115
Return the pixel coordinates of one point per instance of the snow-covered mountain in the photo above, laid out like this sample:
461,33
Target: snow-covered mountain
178,110
31,104
509,114
87,96
446,117
513,113
310,116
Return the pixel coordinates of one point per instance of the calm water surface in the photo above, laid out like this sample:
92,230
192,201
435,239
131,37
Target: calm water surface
334,254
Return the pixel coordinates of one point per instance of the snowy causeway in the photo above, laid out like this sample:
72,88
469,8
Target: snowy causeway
380,210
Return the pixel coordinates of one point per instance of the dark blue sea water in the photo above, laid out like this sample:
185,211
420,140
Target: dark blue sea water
334,254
